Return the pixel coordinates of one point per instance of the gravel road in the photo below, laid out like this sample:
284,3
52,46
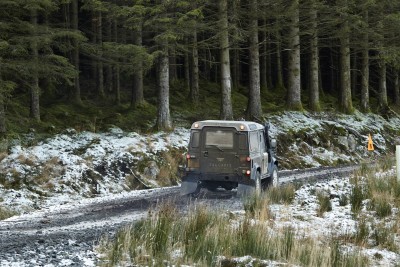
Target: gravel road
67,235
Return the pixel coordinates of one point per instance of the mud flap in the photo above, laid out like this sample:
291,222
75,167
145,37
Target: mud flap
190,185
244,190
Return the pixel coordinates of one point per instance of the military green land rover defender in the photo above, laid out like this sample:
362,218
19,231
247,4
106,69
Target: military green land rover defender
229,154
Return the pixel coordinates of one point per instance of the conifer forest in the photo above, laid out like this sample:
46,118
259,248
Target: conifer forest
133,54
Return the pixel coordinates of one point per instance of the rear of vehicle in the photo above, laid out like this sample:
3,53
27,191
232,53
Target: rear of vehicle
218,156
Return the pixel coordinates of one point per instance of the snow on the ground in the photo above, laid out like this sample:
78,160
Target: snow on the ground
79,168
69,167
302,217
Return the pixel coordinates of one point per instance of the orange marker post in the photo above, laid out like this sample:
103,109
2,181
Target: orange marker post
370,143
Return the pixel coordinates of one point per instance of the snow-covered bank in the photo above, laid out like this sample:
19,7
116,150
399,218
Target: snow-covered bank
71,170
71,165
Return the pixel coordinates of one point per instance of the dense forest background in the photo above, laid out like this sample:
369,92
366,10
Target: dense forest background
90,63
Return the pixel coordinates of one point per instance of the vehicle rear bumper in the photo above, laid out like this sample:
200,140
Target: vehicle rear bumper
216,177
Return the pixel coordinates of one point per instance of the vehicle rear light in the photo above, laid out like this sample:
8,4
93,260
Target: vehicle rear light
188,156
244,160
248,172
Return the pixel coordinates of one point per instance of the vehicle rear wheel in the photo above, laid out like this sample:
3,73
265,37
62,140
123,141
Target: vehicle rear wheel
257,186
210,186
273,180
196,193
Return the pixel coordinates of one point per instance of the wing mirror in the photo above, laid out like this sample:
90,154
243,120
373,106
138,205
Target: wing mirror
273,143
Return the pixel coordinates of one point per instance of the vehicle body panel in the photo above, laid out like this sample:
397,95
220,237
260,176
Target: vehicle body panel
226,154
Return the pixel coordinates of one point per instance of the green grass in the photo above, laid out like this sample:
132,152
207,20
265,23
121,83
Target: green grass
5,213
281,194
324,202
203,235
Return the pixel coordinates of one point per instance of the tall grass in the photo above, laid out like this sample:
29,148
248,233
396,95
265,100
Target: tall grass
356,198
281,194
257,207
384,237
324,202
5,213
381,190
203,236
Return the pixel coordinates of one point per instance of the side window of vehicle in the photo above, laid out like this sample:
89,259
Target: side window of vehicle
262,143
195,139
254,144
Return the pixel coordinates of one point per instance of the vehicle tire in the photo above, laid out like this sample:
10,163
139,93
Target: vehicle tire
273,180
196,193
257,184
210,186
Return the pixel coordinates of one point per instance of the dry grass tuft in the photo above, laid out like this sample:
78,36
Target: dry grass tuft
5,213
202,236
3,155
169,167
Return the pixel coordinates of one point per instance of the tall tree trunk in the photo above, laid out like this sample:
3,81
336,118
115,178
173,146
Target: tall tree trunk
383,100
226,87
109,67
333,73
270,80
186,67
294,81
94,31
235,44
137,90
35,91
206,64
100,74
254,101
365,70
346,104
194,82
75,52
3,128
279,69
236,69
396,87
116,68
264,58
163,115
173,73
314,61
354,75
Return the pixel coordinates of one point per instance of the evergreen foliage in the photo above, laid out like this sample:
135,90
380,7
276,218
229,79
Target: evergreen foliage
113,52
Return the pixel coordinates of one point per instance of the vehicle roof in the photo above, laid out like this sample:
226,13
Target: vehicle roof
247,125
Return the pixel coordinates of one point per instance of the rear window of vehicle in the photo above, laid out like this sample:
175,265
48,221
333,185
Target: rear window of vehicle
219,138
243,142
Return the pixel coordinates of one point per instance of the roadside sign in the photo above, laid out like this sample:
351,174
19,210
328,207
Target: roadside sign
370,143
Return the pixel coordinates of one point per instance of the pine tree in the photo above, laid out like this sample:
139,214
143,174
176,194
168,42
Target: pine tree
30,45
346,104
314,58
294,80
226,83
365,107
75,44
254,101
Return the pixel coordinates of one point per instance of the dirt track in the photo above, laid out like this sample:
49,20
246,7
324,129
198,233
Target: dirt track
66,236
